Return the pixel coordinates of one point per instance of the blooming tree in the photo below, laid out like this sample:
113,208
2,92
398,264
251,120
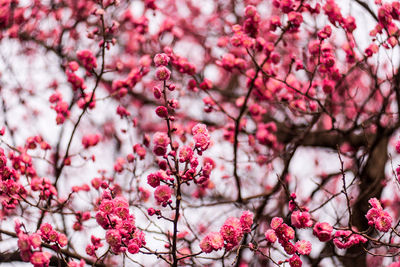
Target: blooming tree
199,133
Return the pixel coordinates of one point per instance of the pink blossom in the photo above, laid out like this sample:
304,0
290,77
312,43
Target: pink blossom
345,239
323,231
87,59
163,73
212,241
285,232
113,237
377,217
62,240
40,259
295,261
205,245
276,222
301,219
153,180
270,236
161,59
185,153
383,223
133,248
163,193
202,141
232,231
35,240
303,247
162,112
161,139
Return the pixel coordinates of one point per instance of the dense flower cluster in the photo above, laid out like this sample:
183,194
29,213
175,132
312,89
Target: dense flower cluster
377,217
283,233
30,245
87,59
115,217
198,106
230,234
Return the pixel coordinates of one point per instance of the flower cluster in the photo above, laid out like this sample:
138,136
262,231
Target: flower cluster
87,59
76,81
229,235
30,246
44,186
161,141
60,106
284,233
115,217
345,238
301,219
10,188
161,59
95,245
201,137
265,134
377,217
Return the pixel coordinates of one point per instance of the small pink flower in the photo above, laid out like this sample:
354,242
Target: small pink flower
199,128
107,206
161,139
288,247
185,153
202,141
323,231
53,236
35,240
24,242
162,112
295,261
232,231
113,237
133,248
398,147
206,84
213,241
383,223
285,232
153,180
62,240
303,247
270,236
374,202
40,259
205,245
163,73
276,222
301,219
87,59
90,250
46,228
162,193
161,59
345,239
